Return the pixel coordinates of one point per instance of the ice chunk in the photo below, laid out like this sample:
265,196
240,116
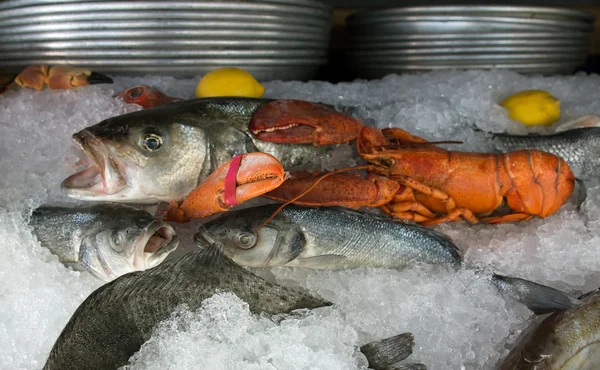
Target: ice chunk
223,334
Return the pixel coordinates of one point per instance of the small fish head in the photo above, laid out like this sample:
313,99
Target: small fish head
275,244
128,242
138,158
145,96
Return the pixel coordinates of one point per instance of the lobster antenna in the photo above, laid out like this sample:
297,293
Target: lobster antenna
307,191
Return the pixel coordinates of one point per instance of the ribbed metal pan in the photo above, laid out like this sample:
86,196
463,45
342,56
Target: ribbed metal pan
161,34
533,12
159,24
11,4
466,59
454,24
100,63
172,5
430,44
229,16
555,35
165,53
482,50
188,43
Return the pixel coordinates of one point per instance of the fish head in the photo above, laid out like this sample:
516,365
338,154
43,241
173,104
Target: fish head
145,96
238,235
130,242
139,157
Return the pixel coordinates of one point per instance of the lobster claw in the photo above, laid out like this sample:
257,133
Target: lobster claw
245,177
145,96
301,122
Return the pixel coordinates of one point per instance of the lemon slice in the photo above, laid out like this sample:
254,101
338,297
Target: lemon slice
533,107
229,82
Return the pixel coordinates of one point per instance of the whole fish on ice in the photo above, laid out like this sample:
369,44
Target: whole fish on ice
567,340
339,238
116,319
108,240
163,153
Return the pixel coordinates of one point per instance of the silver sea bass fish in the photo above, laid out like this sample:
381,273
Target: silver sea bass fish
338,238
108,240
580,148
162,153
116,319
325,237
567,340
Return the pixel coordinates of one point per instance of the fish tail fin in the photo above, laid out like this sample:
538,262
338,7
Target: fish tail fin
382,354
538,298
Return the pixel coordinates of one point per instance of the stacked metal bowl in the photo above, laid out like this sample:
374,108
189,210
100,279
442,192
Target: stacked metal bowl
418,39
272,39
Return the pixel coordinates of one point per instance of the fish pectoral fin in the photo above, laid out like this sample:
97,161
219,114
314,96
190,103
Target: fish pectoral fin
382,354
326,261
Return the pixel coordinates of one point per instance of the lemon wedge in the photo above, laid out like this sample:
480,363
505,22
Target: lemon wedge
229,82
533,107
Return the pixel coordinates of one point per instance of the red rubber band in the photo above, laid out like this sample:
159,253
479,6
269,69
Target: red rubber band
230,182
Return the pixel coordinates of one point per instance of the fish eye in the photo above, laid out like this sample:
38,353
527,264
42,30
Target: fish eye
245,240
151,141
116,242
135,92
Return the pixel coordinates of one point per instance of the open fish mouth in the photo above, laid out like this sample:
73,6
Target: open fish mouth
155,245
104,175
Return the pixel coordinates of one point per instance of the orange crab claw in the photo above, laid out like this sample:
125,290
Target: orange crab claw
244,177
301,122
33,77
145,96
66,77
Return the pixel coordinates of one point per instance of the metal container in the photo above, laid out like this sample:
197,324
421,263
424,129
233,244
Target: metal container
276,39
525,39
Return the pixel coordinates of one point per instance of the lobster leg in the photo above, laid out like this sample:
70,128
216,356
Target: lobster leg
427,190
420,213
452,216
513,217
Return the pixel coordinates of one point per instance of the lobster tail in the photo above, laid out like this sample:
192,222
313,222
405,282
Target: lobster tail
541,182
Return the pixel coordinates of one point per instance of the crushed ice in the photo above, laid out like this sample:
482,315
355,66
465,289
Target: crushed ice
458,320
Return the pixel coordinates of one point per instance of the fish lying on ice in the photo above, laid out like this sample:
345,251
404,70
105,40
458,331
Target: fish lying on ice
338,238
567,340
163,153
116,319
579,147
108,240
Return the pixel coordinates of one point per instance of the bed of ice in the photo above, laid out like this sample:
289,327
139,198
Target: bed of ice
458,320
